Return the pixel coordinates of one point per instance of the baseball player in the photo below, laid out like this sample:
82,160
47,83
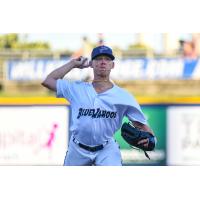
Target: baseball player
97,110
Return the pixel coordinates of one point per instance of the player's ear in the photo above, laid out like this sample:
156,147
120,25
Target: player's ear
90,63
113,65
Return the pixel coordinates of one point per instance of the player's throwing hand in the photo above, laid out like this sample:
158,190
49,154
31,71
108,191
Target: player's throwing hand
81,62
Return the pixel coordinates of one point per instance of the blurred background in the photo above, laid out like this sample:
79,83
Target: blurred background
162,70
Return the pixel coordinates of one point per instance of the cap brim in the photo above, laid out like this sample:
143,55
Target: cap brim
104,54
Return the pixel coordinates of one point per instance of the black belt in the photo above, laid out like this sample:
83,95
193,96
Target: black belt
89,148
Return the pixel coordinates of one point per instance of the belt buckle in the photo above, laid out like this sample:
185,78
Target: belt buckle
95,148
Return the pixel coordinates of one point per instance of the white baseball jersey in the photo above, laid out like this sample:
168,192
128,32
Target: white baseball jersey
95,117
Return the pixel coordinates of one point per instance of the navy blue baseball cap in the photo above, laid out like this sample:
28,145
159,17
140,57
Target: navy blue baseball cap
102,50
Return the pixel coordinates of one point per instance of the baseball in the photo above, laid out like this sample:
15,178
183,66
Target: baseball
82,58
86,63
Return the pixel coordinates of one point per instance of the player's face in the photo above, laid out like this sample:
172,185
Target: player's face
102,65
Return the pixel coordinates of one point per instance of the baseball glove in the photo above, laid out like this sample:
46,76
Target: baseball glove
133,135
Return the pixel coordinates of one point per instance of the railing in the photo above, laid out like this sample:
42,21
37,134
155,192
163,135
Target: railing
26,54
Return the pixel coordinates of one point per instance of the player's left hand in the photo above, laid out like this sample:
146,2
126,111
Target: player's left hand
144,142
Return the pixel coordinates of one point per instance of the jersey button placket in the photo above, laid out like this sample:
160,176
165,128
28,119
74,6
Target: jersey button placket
95,119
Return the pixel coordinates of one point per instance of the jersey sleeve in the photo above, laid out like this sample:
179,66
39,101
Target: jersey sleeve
64,89
134,112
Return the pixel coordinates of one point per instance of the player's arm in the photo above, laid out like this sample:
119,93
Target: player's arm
143,127
50,81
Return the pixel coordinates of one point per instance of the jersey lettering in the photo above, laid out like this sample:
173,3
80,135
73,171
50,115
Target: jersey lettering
96,113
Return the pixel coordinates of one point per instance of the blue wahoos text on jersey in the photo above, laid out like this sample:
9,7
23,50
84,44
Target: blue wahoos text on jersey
96,113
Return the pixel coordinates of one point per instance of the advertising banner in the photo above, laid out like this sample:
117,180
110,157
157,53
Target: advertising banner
156,116
183,136
125,69
33,135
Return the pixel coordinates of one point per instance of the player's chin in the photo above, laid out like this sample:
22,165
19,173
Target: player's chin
102,73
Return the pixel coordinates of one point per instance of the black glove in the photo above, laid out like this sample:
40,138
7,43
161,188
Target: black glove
133,135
